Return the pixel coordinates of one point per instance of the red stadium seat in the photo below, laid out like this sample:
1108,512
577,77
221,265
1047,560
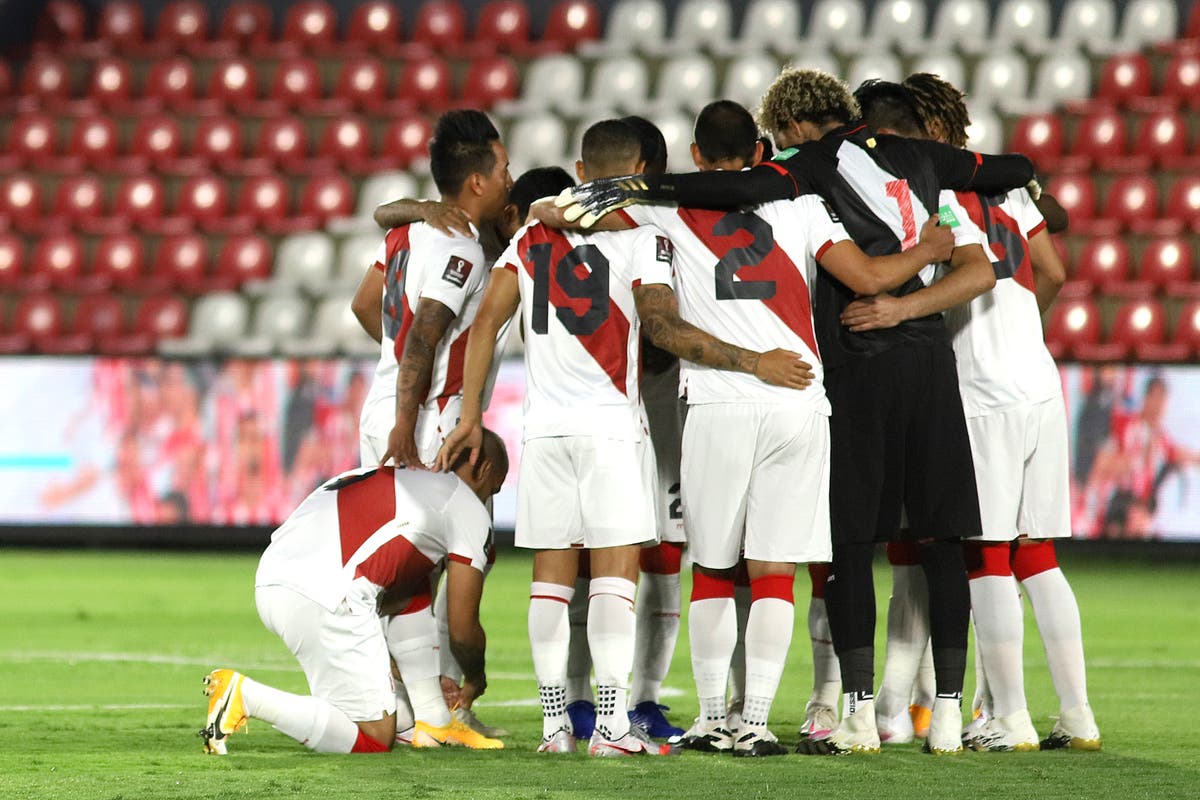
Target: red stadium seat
57,262
121,25
204,200
490,80
46,82
362,82
119,261
1162,136
569,23
1103,264
141,201
1040,137
94,141
21,202
346,140
171,84
1181,82
157,142
1077,194
1183,202
234,84
1100,140
297,84
12,260
245,24
440,24
503,25
33,139
327,197
6,80
1132,203
407,140
218,141
38,317
62,26
374,26
1126,78
1074,322
1187,329
1139,329
1167,264
96,318
110,84
182,24
180,263
264,199
426,83
311,24
157,317
241,259
79,202
283,143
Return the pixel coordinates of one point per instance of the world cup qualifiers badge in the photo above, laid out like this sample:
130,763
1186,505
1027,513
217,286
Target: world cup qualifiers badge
457,270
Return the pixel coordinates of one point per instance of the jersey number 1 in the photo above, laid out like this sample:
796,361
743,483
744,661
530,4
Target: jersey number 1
593,287
898,191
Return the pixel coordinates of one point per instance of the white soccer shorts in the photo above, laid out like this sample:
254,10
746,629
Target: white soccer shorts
755,477
1022,470
344,654
433,427
585,491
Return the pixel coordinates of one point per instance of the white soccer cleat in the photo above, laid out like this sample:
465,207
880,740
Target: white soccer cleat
857,733
819,721
757,744
713,737
1014,733
1075,730
975,728
635,742
945,728
895,730
561,741
405,737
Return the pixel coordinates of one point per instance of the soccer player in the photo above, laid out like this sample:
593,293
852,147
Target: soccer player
1016,416
430,284
897,413
358,546
586,472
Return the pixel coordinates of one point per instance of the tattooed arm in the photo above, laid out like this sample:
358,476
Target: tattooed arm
429,326
659,313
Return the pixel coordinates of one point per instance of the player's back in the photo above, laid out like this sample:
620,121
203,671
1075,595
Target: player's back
581,326
998,342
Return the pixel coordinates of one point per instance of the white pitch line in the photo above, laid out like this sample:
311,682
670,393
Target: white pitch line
107,707
25,657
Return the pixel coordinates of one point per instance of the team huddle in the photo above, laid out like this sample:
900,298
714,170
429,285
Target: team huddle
770,362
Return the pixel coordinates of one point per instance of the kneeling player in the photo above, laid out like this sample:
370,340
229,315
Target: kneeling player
367,536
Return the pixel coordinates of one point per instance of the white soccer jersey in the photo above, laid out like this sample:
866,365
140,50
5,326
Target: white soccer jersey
420,261
744,278
998,344
582,335
369,529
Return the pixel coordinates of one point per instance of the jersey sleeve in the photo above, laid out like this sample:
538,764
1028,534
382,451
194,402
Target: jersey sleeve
468,528
824,227
1029,216
455,272
509,259
653,257
952,214
964,169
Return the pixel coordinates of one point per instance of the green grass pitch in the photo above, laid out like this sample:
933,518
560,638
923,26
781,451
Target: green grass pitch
102,655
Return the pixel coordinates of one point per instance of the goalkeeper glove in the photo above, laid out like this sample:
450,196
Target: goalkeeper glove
592,200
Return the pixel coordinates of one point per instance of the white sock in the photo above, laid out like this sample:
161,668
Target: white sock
611,623
712,627
549,634
447,663
737,662
981,703
907,639
412,641
925,687
999,634
579,655
657,612
311,721
1057,614
827,673
768,637
405,718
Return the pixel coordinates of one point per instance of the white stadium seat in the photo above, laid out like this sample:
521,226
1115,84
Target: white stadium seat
944,64
618,82
551,82
876,65
279,319
1024,24
355,255
986,132
747,79
816,59
302,260
1148,22
701,24
536,140
1088,23
677,130
383,188
836,23
334,328
1062,76
1003,74
773,24
894,22
687,82
632,25
956,23
218,323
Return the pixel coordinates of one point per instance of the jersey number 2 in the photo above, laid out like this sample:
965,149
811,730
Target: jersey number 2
739,257
593,287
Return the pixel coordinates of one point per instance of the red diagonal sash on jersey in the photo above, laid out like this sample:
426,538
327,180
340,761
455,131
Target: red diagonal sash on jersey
395,300
990,223
454,370
364,507
609,345
790,303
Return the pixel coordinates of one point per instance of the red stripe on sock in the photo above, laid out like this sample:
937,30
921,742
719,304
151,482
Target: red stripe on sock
365,744
706,587
818,574
903,554
549,597
662,559
1031,558
779,587
987,558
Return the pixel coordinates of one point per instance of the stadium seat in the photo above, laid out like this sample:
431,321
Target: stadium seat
347,141
302,261
405,141
96,318
1187,329
61,27
767,24
94,140
1181,81
141,200
631,25
879,64
119,261
384,188
551,82
37,317
1074,323
490,80
685,82
156,317
1139,328
218,322
1132,200
1167,265
1100,140
502,25
958,23
245,27
297,83
182,23
374,26
1125,80
1102,266
536,139
79,201
278,320
1183,203
57,262
1087,23
944,63
334,326
1162,137
111,83
1077,194
12,260
440,25
204,200
618,82
46,82
282,143
121,26
425,82
234,84
700,25
327,197
1061,76
21,202
356,255
748,77
362,82
838,24
676,128
264,199
1148,22
896,22
1022,23
569,24
33,139
985,134
171,83
218,141
157,142
1001,75
180,263
311,24
241,259
1040,137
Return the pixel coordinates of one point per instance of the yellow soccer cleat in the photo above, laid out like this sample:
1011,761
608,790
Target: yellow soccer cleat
456,733
226,711
920,719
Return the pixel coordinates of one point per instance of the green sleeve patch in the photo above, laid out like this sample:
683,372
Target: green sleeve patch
947,218
784,155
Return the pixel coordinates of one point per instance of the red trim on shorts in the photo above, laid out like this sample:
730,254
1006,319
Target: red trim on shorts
777,587
365,744
903,553
1033,558
741,574
987,559
818,574
664,558
706,587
